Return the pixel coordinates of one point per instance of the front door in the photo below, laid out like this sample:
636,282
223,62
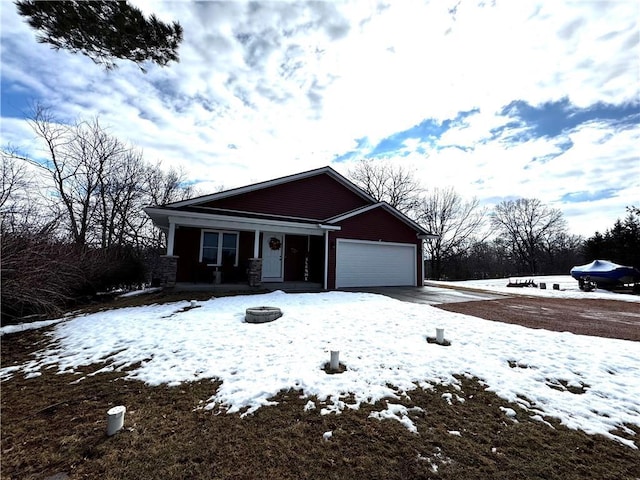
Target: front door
272,248
295,258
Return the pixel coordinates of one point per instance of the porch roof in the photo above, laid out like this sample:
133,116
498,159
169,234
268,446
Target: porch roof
214,218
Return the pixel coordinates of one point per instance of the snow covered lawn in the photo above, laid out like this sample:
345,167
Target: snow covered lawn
589,383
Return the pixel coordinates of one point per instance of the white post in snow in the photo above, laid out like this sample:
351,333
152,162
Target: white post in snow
334,363
439,335
115,419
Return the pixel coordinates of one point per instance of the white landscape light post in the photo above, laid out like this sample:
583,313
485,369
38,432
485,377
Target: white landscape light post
440,335
115,419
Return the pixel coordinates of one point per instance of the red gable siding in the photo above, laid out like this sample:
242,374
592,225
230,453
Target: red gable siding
318,197
377,225
374,225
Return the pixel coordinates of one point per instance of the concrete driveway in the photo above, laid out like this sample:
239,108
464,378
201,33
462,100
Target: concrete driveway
428,295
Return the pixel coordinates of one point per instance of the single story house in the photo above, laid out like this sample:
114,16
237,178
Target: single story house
314,226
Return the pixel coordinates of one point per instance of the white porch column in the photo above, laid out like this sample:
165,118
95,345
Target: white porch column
171,238
326,257
256,244
422,268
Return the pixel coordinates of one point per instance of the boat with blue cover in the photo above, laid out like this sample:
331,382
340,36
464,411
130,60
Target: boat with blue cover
605,273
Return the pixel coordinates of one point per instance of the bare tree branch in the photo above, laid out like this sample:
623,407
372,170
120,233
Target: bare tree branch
456,222
389,183
528,224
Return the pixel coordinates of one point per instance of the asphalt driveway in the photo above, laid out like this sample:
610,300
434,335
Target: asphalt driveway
429,295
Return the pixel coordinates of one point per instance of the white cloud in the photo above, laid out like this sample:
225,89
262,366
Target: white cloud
602,157
267,89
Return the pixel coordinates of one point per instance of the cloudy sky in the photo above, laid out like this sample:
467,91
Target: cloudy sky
499,99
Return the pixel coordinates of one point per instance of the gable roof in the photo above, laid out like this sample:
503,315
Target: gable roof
272,183
197,205
384,206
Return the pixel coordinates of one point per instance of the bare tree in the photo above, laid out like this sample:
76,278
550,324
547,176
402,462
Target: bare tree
79,158
13,190
96,188
14,177
389,183
100,185
560,252
161,187
529,226
121,192
99,182
167,186
456,223
21,206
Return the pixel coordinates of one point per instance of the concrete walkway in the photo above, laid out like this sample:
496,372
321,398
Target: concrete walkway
428,295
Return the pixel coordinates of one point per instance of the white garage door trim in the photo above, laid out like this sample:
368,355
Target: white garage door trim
361,263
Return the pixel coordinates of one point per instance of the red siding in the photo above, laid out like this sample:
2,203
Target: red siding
377,225
296,250
318,197
190,269
187,248
374,225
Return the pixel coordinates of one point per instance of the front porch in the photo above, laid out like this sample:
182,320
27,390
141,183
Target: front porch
223,255
298,287
253,258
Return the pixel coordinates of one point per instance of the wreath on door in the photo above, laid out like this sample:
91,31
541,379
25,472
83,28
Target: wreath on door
275,243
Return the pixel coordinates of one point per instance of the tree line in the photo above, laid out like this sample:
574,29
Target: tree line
514,238
72,219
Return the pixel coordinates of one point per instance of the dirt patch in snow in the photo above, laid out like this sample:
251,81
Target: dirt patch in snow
601,318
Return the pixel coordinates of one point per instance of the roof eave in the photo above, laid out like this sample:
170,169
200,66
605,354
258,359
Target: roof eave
163,217
428,236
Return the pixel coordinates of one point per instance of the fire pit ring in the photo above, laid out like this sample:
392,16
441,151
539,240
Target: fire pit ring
262,314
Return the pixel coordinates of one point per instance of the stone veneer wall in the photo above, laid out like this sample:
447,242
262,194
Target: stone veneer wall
255,272
167,270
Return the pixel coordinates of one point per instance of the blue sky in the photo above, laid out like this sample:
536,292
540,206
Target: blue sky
498,99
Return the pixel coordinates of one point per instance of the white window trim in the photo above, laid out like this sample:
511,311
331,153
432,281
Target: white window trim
220,233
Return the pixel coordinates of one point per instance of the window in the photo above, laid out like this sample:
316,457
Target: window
210,247
219,248
229,248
